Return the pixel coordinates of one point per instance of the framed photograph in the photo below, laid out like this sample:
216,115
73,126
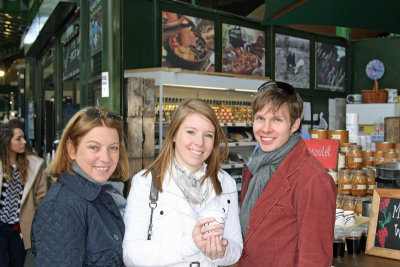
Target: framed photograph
384,224
243,50
331,67
292,60
187,42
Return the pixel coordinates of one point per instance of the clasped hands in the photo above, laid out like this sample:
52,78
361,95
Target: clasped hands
207,236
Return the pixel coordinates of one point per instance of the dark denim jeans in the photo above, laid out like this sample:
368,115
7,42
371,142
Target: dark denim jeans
12,251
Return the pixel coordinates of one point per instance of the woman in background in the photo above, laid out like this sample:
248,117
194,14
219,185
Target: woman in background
190,184
78,222
22,188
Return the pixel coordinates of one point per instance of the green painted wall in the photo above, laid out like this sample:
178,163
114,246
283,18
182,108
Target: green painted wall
385,49
138,34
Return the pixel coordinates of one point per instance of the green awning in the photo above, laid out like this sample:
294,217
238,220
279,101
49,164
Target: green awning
383,15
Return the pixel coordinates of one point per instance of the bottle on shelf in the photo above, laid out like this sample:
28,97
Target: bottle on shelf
379,130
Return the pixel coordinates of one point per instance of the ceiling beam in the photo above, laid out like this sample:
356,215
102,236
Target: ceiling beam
289,8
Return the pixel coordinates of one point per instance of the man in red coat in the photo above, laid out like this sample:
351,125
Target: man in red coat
288,199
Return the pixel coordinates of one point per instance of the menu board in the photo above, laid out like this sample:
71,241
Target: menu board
330,69
383,237
243,50
388,224
188,42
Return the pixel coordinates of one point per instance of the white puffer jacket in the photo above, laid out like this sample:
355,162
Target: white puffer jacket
173,222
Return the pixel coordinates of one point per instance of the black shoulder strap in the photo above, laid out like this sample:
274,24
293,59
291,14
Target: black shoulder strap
152,204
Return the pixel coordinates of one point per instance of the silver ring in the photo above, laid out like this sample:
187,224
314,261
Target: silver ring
220,253
204,238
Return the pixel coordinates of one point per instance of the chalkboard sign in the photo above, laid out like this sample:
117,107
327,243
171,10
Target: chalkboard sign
384,224
388,225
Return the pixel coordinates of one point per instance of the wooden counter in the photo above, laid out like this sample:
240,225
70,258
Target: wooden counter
363,260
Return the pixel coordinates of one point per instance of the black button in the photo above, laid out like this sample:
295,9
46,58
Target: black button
229,201
161,212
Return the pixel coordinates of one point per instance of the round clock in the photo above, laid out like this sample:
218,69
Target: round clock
375,69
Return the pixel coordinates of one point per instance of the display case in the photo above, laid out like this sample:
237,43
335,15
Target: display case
229,95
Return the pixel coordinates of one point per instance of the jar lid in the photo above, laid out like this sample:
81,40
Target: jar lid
358,171
343,170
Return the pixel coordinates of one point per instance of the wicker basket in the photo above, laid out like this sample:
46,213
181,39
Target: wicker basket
375,95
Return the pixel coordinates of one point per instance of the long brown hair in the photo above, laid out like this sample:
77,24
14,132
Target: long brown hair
165,158
22,162
79,125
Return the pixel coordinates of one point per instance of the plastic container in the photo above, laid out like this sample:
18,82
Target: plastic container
353,237
339,243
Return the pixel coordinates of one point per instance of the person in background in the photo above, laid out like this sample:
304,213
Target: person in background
78,222
187,176
23,185
288,199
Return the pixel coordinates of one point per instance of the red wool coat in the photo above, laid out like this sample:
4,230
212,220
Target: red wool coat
293,220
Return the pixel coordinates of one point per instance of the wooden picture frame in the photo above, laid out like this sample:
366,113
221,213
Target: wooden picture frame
371,249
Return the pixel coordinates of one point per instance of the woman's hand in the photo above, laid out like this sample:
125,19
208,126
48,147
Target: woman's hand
203,230
215,248
206,236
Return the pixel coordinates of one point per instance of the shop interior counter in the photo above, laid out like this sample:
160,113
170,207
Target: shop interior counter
363,260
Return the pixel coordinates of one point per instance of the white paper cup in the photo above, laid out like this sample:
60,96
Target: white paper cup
218,215
349,218
339,220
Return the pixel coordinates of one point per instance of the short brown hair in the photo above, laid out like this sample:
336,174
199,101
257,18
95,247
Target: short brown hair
78,126
165,158
277,97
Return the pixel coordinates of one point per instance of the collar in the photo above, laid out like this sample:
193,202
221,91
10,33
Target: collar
82,186
294,160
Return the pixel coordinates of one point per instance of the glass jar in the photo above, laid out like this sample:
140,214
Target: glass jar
344,184
370,181
341,161
339,201
390,157
354,157
349,203
358,183
379,157
368,158
359,205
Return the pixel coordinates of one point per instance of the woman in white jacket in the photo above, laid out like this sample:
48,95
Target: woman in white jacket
189,181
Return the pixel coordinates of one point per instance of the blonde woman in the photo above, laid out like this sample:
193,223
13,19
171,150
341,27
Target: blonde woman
189,182
78,222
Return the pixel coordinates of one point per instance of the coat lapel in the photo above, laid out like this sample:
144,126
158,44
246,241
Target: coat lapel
277,187
275,190
34,167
